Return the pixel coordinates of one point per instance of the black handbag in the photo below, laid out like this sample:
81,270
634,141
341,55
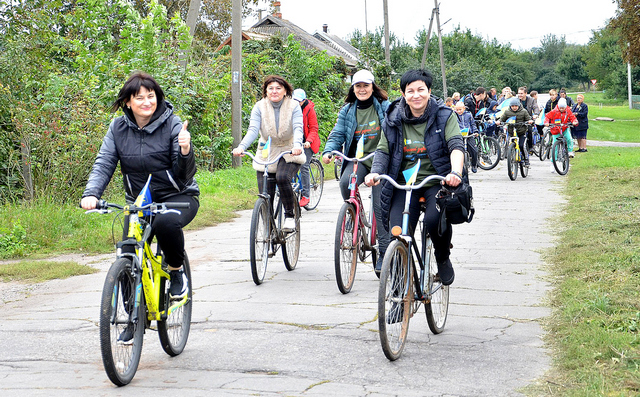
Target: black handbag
455,205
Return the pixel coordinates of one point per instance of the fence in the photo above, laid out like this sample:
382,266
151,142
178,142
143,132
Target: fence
635,101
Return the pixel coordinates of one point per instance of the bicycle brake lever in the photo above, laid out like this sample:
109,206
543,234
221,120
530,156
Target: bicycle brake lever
98,211
168,211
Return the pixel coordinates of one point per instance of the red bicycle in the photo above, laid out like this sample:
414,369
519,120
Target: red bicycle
355,231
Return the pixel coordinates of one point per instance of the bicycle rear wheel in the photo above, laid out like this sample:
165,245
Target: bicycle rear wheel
438,306
316,183
291,245
345,252
174,331
503,142
512,163
337,167
560,157
488,153
524,170
546,145
260,240
117,307
395,297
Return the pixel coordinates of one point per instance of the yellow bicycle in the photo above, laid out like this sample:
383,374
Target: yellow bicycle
136,292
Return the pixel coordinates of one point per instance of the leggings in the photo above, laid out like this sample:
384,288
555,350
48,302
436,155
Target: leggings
282,177
441,244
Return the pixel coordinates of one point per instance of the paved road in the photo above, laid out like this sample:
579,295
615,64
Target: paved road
296,335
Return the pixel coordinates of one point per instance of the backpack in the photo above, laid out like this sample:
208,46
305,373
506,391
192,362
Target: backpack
455,205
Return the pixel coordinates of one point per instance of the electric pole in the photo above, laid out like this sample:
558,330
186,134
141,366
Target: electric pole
236,77
387,55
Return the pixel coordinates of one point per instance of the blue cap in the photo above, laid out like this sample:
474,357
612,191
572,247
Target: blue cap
299,94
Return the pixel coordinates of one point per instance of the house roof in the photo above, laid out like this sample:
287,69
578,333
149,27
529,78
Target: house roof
338,44
271,25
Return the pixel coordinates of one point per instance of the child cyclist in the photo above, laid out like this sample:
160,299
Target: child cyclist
561,115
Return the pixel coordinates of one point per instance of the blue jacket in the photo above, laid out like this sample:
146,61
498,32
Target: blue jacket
466,121
341,136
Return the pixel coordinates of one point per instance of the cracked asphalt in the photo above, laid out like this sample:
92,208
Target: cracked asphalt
296,334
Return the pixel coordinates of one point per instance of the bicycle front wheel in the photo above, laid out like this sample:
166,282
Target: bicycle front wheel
316,183
174,330
260,240
560,157
395,298
121,335
512,163
503,143
345,252
489,153
291,246
546,145
438,306
337,167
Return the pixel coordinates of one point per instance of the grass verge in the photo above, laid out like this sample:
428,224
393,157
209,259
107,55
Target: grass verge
594,330
38,271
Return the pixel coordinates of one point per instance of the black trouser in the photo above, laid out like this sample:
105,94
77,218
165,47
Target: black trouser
472,149
282,177
168,229
441,244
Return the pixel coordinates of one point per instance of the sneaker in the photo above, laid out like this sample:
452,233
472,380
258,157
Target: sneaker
126,337
396,312
179,284
378,267
552,169
474,169
304,201
445,270
526,163
289,224
571,155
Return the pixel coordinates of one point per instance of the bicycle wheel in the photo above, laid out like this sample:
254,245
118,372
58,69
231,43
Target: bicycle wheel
291,245
337,167
546,145
512,163
260,240
345,252
560,157
316,183
524,170
438,307
174,330
503,143
489,153
118,304
395,297
537,144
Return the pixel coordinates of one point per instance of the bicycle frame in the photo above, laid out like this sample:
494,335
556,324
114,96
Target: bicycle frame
366,224
405,236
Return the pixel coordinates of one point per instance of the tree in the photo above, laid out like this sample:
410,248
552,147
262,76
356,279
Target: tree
551,48
627,23
572,65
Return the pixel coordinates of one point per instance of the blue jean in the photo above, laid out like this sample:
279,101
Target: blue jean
304,173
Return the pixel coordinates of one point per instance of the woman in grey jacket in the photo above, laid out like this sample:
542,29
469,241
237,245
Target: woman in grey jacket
360,118
150,140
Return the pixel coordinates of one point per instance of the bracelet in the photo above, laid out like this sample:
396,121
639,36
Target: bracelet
456,174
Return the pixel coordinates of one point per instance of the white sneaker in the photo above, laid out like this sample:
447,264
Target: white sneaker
553,170
571,155
289,225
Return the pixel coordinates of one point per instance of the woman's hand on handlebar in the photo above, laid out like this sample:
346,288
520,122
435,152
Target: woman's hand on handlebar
238,151
326,158
370,179
296,151
453,179
89,203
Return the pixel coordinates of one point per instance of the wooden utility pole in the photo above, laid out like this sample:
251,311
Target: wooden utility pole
387,55
236,77
442,68
426,43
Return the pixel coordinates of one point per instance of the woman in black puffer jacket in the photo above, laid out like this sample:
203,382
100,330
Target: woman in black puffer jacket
150,140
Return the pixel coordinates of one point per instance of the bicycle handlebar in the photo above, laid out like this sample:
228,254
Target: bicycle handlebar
339,153
254,158
104,207
409,187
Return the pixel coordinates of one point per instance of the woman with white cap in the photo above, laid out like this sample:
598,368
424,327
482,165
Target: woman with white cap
361,117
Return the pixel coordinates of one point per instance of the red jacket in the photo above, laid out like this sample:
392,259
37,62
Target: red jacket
557,117
310,124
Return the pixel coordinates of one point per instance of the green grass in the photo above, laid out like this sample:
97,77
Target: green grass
595,270
38,271
598,98
53,229
625,128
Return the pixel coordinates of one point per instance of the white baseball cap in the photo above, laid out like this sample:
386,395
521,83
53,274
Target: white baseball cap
562,103
299,94
362,76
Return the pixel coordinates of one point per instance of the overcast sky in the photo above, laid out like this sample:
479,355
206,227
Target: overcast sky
521,23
